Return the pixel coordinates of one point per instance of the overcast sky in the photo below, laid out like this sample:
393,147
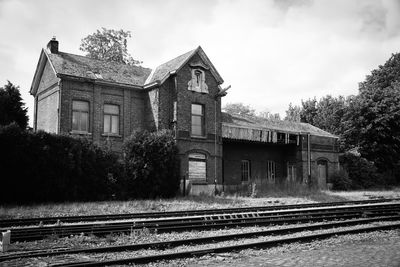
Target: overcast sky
271,52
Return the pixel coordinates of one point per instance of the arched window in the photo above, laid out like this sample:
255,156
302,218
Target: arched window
197,167
198,74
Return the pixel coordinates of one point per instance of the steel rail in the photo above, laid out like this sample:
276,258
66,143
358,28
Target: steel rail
201,240
101,229
88,218
230,248
39,232
201,218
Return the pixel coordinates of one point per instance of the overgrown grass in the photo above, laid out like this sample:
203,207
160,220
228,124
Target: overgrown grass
296,190
267,195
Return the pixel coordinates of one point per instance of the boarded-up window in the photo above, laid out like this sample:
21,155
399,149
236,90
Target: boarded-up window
197,167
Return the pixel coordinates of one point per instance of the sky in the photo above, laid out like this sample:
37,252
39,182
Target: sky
272,52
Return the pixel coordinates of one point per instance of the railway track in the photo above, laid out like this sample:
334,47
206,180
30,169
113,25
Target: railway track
224,249
211,240
206,222
92,218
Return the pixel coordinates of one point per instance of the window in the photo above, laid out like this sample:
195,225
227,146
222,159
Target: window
197,167
197,120
197,74
111,119
291,172
271,171
80,116
245,169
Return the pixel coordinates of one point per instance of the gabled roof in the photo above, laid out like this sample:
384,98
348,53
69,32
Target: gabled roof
162,72
65,64
259,123
85,67
88,68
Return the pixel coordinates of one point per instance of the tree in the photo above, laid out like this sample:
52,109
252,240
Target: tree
108,45
293,113
240,108
328,113
12,109
373,119
309,110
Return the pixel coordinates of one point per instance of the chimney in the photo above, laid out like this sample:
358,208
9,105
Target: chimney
52,46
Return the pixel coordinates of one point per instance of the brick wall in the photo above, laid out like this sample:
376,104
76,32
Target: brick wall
258,154
46,102
130,104
185,98
322,149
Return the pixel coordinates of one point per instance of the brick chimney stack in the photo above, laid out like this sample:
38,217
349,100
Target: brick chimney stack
53,45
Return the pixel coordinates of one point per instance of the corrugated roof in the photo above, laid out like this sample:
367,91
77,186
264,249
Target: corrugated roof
164,69
259,123
85,67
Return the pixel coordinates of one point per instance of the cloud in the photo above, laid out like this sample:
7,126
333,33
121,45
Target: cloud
272,52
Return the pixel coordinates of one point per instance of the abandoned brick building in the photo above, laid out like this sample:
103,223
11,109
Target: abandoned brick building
106,101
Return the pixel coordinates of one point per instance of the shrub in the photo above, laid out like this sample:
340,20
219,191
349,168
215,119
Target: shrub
151,164
43,167
341,181
361,172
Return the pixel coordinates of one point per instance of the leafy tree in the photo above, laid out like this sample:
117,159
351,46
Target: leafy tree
240,108
373,119
12,109
293,113
308,111
108,44
373,125
328,113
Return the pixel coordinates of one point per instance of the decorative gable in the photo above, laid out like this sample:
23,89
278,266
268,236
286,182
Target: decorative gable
198,81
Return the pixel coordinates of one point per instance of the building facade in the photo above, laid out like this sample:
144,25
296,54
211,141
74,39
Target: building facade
107,101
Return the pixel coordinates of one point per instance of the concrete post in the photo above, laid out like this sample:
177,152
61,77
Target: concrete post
5,241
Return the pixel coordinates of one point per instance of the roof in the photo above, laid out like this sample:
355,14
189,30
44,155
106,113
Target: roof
162,72
164,69
85,67
114,72
258,123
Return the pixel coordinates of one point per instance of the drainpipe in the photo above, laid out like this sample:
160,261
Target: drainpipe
59,106
215,146
221,92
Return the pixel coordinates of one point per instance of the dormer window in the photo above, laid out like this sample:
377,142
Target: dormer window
198,81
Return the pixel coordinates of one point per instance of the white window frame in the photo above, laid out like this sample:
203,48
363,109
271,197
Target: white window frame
202,119
77,115
111,117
